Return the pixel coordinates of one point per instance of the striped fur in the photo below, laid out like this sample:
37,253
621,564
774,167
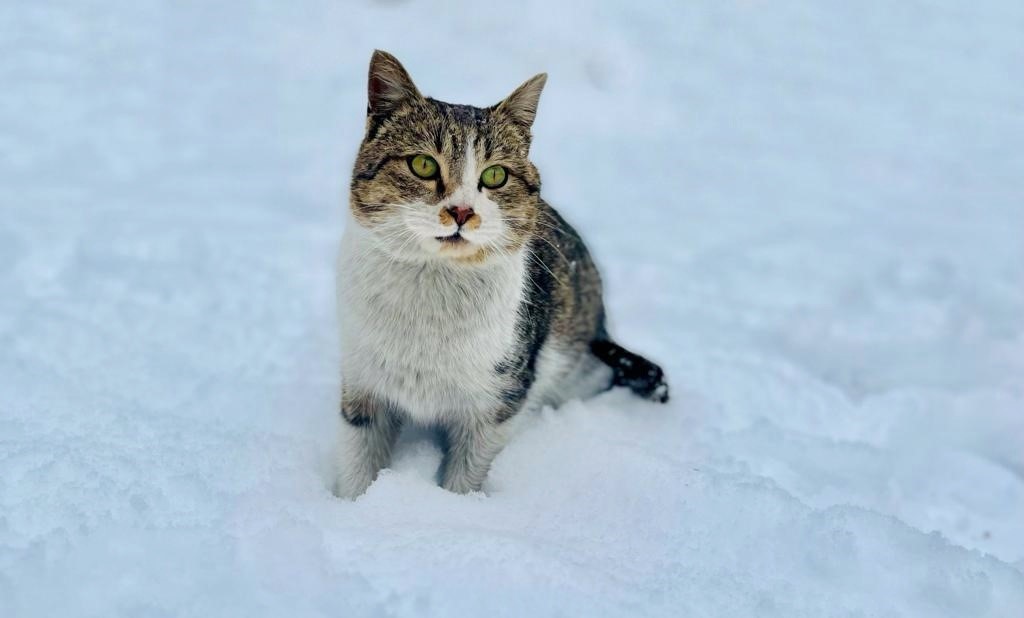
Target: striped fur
455,327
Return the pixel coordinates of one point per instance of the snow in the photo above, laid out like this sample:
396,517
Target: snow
809,213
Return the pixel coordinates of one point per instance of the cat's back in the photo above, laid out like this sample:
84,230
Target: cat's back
573,285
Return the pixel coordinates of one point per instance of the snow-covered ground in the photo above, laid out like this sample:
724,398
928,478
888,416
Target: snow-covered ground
812,214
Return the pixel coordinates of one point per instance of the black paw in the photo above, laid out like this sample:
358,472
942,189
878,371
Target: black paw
645,379
633,371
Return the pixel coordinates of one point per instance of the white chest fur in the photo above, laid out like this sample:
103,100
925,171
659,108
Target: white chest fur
427,336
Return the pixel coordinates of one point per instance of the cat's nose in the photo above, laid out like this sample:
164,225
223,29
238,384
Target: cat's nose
461,214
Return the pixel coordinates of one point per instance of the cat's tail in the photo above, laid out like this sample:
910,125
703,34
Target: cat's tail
632,370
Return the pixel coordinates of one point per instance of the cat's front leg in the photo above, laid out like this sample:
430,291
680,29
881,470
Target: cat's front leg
471,447
367,433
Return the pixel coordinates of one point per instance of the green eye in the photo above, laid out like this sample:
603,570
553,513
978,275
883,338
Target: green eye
494,177
423,166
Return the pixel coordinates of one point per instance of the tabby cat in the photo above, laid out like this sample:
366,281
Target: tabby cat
463,296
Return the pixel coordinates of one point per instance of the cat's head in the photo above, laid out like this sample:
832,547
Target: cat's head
435,180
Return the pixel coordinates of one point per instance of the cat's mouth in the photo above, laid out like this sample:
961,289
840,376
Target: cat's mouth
460,248
452,240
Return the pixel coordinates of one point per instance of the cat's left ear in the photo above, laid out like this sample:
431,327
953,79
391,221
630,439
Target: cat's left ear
521,105
389,85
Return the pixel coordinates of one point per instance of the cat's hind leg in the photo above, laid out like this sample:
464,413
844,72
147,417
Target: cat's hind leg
631,370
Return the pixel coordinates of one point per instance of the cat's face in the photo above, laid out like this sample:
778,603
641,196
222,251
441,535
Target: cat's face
434,180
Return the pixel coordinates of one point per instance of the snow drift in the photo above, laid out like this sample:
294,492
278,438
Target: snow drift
809,213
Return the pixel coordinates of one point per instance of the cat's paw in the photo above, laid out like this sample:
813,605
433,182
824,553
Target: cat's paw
649,382
460,484
349,487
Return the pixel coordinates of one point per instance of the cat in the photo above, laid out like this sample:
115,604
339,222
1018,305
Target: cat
463,297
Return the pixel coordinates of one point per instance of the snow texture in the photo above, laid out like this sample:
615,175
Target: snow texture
811,213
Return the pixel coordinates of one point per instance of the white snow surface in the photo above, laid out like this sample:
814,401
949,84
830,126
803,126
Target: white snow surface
811,213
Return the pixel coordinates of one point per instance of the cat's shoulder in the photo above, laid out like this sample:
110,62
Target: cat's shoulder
554,234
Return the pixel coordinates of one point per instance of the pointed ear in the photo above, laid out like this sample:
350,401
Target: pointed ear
521,105
389,84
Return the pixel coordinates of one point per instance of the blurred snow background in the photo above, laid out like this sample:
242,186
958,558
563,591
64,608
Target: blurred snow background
811,213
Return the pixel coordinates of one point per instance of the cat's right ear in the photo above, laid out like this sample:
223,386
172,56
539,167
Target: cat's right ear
389,84
521,105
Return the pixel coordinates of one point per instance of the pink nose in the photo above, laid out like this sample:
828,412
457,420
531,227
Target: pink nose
461,214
